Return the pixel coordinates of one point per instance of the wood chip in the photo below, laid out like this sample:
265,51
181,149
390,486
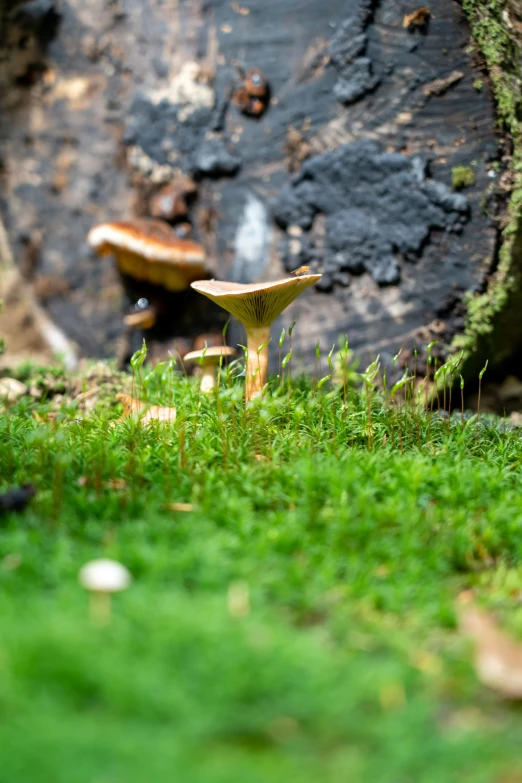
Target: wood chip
238,9
404,117
88,394
417,18
439,86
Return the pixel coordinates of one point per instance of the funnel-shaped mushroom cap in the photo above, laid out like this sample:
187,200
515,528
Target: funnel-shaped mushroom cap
150,250
209,356
104,576
256,305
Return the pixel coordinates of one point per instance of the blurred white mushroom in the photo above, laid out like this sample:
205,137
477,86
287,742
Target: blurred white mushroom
238,600
101,578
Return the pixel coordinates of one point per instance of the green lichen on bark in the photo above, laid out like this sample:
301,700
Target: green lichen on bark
489,20
494,326
462,177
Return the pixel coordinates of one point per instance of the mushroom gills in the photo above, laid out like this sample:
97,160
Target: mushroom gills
172,278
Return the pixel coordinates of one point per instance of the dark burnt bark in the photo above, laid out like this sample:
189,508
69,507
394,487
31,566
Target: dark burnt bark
348,167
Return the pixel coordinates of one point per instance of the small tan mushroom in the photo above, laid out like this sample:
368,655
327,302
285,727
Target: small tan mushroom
256,305
142,317
102,578
150,250
208,359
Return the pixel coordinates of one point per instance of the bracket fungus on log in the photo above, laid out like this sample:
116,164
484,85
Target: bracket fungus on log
256,305
150,250
209,359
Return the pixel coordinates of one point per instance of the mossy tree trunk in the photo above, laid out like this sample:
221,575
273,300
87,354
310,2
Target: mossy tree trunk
494,327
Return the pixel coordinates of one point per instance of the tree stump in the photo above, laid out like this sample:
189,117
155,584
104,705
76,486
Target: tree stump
374,157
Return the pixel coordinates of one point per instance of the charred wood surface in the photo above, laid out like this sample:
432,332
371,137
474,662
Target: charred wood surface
345,163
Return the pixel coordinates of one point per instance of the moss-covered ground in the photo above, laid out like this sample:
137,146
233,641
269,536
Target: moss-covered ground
297,624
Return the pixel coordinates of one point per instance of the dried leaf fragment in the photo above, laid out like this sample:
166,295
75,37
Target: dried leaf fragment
297,148
143,411
51,416
179,507
498,657
417,18
238,9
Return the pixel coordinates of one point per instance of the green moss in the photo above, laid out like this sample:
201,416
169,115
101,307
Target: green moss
493,323
346,551
494,40
478,84
462,177
2,344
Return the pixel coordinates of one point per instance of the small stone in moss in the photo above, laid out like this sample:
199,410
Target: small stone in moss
462,177
478,84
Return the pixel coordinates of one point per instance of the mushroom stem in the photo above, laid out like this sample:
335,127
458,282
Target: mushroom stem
257,360
100,607
208,378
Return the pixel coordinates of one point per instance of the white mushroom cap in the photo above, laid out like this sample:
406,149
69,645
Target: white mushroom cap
104,576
